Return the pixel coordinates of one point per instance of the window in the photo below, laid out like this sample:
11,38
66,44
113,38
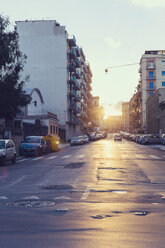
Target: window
151,74
54,129
163,83
163,62
151,85
150,93
151,64
163,73
51,129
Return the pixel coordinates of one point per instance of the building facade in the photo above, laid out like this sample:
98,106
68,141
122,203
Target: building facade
35,119
57,66
152,77
125,116
155,109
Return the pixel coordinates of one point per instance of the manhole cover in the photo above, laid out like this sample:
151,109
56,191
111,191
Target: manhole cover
74,165
58,186
30,204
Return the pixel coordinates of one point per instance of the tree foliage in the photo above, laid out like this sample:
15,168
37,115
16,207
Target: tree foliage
12,94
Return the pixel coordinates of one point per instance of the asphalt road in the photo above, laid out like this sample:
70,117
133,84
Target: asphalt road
103,194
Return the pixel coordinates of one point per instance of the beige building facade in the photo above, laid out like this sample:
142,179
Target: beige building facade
152,77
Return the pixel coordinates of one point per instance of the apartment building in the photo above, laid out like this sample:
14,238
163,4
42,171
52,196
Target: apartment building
152,77
155,109
125,116
57,66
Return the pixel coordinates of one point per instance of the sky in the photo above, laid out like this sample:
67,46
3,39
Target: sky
111,33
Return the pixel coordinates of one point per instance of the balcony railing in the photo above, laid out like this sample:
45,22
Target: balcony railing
72,68
77,63
77,74
77,51
73,53
72,41
76,121
151,78
151,67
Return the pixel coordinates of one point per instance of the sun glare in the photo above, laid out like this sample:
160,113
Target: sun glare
110,110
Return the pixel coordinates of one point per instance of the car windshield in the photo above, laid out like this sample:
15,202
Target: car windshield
2,144
32,140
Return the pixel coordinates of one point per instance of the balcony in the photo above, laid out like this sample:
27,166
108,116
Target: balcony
77,63
77,51
77,74
150,67
72,68
73,94
153,89
73,53
76,121
151,78
72,41
73,81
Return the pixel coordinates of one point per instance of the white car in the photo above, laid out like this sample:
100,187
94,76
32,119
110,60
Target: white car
85,138
7,151
77,140
117,137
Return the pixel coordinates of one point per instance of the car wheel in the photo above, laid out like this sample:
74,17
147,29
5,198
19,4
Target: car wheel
14,159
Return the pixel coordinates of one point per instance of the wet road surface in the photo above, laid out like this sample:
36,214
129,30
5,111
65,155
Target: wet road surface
104,194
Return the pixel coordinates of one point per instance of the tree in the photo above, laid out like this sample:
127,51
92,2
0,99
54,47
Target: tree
12,95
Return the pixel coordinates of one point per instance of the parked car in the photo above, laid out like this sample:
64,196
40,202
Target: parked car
117,137
85,138
163,139
7,151
33,145
76,140
150,139
92,137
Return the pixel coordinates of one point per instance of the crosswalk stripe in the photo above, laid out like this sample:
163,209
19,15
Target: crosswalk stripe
52,157
22,160
66,156
80,156
140,156
155,157
37,158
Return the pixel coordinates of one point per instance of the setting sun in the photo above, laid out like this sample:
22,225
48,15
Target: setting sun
111,110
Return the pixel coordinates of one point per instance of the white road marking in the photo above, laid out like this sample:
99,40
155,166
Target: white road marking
63,197
80,156
154,157
66,156
37,158
140,156
33,197
86,193
21,160
52,157
3,198
17,181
